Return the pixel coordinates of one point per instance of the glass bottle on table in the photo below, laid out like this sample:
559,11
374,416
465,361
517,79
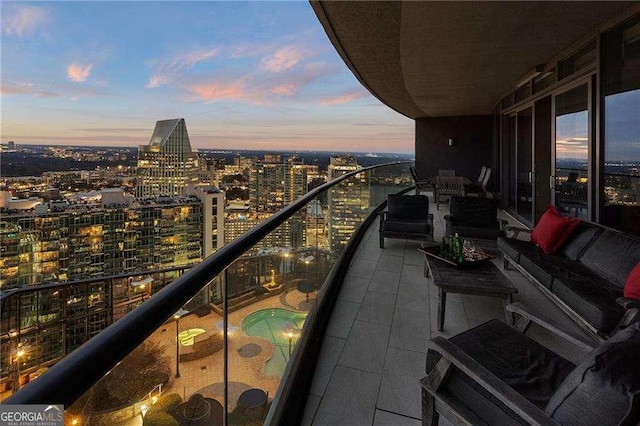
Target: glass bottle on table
458,250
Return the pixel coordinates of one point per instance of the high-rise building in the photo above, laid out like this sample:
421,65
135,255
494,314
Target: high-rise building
167,165
114,236
276,182
348,201
291,233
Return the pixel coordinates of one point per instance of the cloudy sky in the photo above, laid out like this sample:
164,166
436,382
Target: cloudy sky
247,75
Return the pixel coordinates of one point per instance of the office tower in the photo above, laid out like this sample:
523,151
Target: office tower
348,201
274,182
167,165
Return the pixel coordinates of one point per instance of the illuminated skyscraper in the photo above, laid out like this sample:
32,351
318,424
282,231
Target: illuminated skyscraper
110,237
167,164
348,201
274,182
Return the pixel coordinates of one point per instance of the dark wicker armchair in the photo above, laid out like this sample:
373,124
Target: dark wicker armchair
407,217
495,375
474,218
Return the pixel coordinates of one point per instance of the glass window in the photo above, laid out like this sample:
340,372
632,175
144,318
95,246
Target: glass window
582,59
572,151
621,77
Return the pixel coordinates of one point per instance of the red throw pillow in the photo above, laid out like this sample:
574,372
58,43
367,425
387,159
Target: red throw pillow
632,285
552,230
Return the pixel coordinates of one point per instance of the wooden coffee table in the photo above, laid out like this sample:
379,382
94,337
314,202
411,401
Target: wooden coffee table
482,280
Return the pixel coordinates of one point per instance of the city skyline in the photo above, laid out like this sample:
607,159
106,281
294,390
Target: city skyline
244,75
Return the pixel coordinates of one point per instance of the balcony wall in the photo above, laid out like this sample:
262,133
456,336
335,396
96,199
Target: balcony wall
472,145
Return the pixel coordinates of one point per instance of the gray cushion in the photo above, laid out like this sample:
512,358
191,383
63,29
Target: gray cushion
513,247
408,206
473,211
406,226
529,368
537,264
472,232
613,255
579,239
590,297
605,388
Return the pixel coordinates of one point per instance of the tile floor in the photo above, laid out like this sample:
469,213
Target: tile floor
375,347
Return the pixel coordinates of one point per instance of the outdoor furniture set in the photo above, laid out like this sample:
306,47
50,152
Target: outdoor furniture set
585,277
495,374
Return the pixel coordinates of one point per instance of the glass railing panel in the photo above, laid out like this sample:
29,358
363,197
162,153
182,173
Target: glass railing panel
185,369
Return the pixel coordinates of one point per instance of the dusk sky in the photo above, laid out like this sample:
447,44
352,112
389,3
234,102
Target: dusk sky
244,75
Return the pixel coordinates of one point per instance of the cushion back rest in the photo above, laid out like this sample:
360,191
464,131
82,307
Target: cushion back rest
604,388
483,171
485,180
612,255
412,207
577,243
473,211
414,174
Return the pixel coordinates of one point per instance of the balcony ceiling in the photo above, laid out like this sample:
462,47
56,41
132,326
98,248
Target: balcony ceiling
430,59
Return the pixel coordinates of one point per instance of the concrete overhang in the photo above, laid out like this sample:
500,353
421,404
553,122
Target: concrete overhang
436,59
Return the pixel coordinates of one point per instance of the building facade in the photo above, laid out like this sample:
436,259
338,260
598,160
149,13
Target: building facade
348,202
81,241
167,165
276,182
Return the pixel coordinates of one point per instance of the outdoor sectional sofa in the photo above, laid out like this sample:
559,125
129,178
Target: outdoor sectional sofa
585,278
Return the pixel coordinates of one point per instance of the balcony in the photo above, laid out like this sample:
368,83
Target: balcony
244,320
374,349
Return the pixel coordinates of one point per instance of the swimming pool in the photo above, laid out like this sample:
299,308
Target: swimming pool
268,324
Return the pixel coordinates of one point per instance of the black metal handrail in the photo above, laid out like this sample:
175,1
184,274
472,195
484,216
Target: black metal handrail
72,376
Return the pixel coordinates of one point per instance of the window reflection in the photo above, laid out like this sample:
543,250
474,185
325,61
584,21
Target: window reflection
621,196
572,152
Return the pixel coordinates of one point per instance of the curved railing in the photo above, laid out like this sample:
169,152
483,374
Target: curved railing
279,296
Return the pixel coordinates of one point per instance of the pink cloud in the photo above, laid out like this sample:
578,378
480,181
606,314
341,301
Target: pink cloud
284,59
24,21
171,70
78,72
26,88
219,91
190,59
259,88
344,98
284,89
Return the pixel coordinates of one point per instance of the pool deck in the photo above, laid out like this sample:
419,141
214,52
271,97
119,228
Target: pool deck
247,354
374,350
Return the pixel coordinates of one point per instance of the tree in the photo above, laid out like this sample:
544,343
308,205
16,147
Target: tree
131,380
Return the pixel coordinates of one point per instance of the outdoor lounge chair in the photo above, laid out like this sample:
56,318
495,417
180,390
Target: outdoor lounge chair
421,185
480,187
446,186
474,218
407,217
495,375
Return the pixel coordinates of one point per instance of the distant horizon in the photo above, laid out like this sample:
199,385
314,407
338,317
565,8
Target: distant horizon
244,75
228,150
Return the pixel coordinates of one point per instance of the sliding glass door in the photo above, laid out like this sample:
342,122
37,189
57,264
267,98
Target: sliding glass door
571,180
524,184
519,163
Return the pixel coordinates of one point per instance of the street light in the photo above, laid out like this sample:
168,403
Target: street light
16,355
290,331
181,312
